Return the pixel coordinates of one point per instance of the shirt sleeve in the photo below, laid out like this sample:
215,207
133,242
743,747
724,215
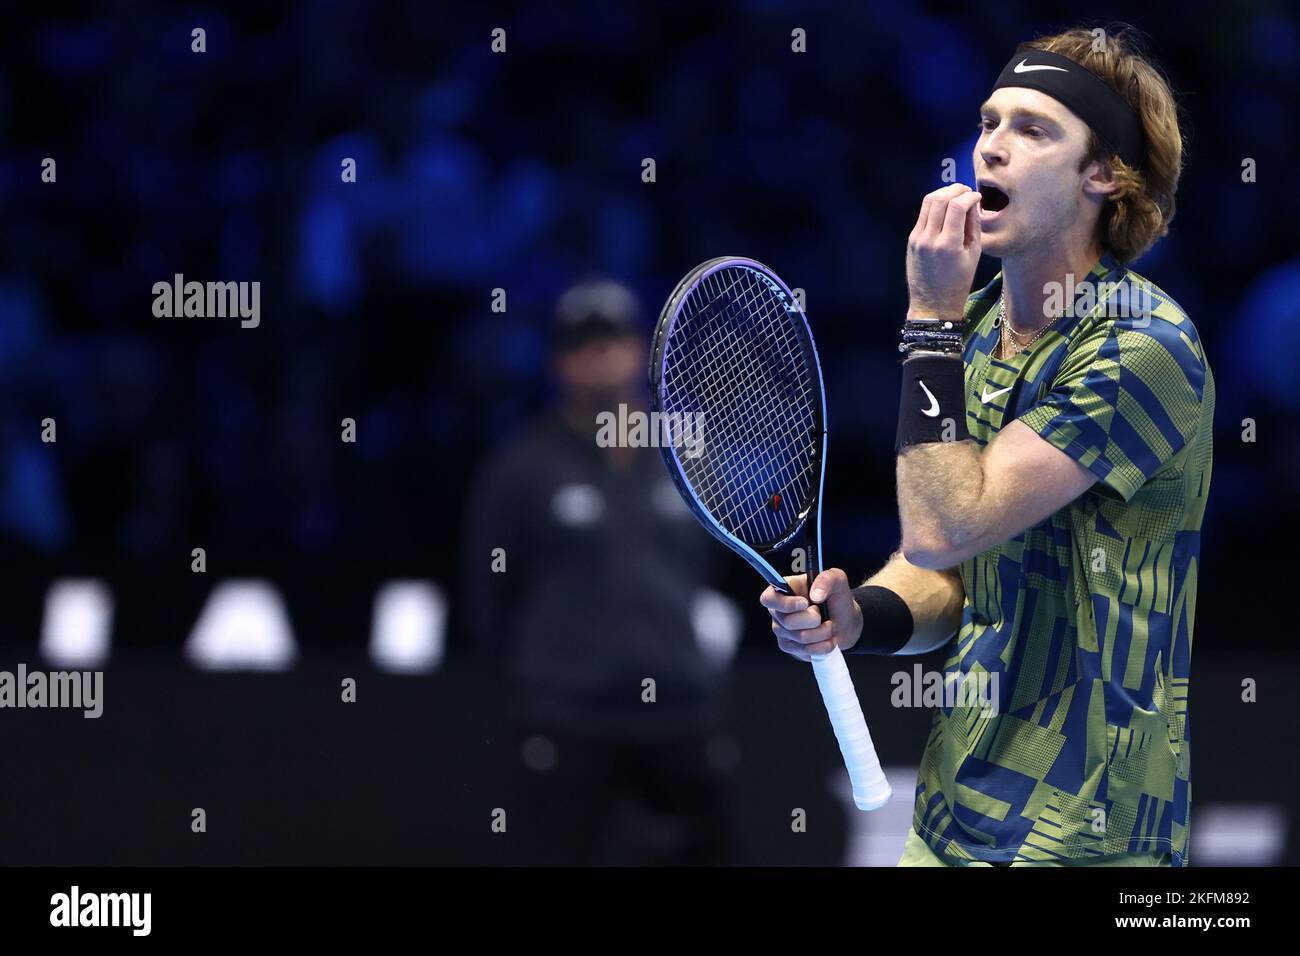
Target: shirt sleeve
1125,401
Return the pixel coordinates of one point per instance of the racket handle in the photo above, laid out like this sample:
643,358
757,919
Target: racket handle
870,788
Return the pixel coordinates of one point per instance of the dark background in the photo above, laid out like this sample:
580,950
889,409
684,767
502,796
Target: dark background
519,171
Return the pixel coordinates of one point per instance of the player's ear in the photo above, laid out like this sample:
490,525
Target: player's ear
1099,179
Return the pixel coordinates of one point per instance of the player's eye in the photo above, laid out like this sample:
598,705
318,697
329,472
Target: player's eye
986,124
1035,132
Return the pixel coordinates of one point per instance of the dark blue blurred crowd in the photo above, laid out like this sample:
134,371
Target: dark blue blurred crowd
522,171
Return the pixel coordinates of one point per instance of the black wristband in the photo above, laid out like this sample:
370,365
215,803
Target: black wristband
932,406
886,621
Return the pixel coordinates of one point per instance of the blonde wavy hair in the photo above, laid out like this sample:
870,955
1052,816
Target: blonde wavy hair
1139,212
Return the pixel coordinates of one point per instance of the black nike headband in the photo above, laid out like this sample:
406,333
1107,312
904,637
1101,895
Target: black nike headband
1087,95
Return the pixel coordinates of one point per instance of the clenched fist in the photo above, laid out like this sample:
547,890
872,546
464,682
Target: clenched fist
798,625
943,250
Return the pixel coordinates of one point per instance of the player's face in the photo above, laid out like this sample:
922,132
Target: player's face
605,366
1029,151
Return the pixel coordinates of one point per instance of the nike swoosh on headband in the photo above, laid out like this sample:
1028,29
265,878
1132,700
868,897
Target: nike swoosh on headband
1022,68
933,410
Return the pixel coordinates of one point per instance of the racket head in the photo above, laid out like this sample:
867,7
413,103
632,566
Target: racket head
733,347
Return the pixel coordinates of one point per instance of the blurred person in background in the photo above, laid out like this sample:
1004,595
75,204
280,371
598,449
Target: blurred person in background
584,577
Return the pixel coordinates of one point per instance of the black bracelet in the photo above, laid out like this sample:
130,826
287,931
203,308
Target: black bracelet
937,325
933,335
931,342
887,622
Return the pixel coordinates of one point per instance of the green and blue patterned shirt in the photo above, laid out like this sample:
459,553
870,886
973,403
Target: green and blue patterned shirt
1085,618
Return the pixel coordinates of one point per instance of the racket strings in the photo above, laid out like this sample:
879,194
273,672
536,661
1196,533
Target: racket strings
735,357
772,458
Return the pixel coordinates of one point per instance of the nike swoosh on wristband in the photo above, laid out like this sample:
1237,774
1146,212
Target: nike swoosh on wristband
986,396
933,410
1021,68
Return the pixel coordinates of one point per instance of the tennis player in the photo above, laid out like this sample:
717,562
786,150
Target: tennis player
1054,457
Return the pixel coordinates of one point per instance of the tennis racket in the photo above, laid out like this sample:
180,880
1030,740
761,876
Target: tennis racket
733,358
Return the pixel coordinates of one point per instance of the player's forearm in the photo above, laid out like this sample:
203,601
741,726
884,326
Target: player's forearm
935,599
941,502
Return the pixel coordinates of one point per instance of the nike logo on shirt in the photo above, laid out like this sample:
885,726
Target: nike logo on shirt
986,396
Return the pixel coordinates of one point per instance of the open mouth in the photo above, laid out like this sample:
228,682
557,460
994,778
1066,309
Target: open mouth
993,199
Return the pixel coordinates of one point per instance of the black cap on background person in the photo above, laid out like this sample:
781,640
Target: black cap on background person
598,352
595,309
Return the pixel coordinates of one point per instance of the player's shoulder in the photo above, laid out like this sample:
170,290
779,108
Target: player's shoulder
1154,310
1134,318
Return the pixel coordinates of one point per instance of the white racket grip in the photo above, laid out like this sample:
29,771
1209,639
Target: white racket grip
870,788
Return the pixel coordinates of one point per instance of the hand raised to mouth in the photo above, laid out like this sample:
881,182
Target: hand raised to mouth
943,250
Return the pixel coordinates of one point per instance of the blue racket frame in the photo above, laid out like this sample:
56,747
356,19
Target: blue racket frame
809,511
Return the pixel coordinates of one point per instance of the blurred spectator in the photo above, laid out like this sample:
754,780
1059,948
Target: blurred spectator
577,562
